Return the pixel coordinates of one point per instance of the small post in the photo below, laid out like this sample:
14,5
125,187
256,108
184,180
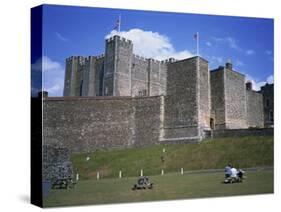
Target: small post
181,170
162,172
141,174
120,174
77,176
98,175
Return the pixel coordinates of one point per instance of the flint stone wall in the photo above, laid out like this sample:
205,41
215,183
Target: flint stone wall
235,100
243,132
181,101
254,109
88,123
56,162
218,97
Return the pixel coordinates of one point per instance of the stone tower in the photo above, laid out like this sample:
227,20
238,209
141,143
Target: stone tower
187,102
117,67
73,76
228,102
92,76
268,102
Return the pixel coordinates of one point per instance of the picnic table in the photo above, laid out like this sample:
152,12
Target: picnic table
65,183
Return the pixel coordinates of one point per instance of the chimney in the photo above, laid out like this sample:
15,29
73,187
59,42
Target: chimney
228,65
249,86
42,94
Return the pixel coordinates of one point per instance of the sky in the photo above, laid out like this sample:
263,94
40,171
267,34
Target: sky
67,31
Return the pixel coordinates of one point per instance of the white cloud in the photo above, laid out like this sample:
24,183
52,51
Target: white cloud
250,52
45,64
230,41
55,88
270,79
152,44
268,52
216,60
61,37
52,75
258,84
208,43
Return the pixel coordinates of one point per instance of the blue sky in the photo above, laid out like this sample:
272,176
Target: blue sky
247,42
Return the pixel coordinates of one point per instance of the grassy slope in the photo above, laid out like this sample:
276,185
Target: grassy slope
242,152
170,186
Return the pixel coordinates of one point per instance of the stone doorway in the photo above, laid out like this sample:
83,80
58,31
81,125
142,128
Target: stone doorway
212,123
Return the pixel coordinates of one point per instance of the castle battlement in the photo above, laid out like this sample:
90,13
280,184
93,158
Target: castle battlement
118,37
140,57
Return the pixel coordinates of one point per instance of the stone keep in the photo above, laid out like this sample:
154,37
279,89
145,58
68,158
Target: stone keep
120,100
118,72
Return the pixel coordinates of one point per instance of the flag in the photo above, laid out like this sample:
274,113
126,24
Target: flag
117,24
116,27
195,36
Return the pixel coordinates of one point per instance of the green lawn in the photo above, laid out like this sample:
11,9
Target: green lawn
210,154
167,187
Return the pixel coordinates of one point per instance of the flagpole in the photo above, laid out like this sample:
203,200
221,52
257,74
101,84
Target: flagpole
197,43
119,25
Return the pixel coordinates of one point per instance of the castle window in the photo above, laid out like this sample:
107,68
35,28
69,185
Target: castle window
267,103
271,117
81,88
143,93
106,91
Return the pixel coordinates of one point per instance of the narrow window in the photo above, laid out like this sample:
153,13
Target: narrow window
267,102
271,117
144,92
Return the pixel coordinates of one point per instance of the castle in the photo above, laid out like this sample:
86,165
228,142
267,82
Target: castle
119,100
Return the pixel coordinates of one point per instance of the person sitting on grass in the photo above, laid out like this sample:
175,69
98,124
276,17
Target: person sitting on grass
240,173
234,172
227,170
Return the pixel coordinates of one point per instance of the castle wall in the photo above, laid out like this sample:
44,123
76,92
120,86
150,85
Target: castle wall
148,77
109,66
56,162
268,102
218,97
243,132
154,77
118,61
140,76
99,75
73,76
147,120
254,102
89,123
235,100
163,78
204,95
123,67
89,75
181,105
67,77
